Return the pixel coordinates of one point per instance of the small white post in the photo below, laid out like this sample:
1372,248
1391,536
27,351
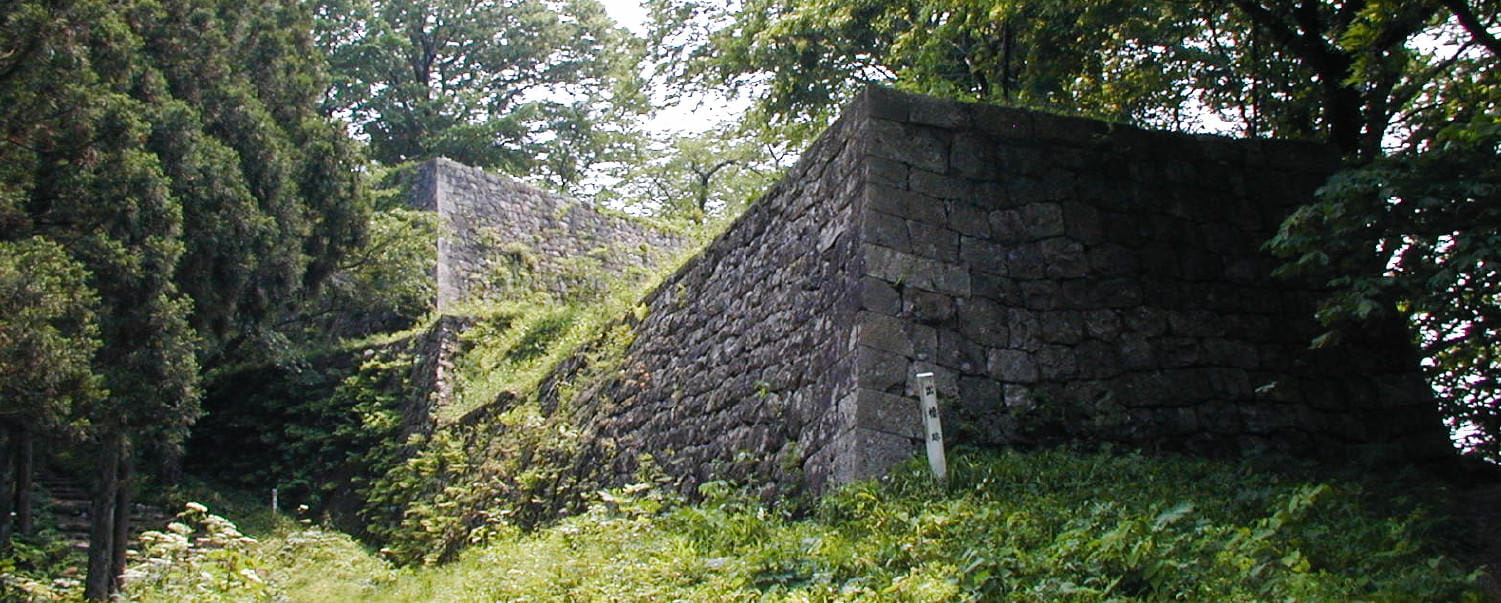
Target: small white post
932,429
273,501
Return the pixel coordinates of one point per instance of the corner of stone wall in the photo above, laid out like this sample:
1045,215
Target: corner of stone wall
424,194
1048,265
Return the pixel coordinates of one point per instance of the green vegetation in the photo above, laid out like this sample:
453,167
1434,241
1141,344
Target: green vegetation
1042,526
507,450
175,152
313,431
181,212
1406,90
699,178
525,87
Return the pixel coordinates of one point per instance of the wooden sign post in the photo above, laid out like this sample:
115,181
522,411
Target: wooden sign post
932,429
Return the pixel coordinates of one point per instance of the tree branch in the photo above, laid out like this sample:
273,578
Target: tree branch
1472,24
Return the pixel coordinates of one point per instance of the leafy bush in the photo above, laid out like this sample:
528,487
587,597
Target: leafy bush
44,566
1031,526
199,556
1063,525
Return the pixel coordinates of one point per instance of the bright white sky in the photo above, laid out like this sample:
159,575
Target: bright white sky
694,114
628,13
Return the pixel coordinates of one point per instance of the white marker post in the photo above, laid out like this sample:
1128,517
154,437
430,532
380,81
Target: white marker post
932,429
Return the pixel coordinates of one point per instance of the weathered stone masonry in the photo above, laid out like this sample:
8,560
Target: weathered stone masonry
1031,261
499,236
1061,277
1069,276
494,225
737,368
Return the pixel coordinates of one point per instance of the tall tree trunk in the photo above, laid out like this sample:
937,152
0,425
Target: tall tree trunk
7,485
25,471
122,515
1008,42
100,582
1344,112
170,472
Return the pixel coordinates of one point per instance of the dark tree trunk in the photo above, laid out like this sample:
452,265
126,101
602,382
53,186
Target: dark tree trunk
1472,24
7,485
25,471
101,582
1344,112
1008,41
122,516
171,469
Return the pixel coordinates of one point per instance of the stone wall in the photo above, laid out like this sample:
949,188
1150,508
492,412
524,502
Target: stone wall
737,367
1069,279
501,235
1063,278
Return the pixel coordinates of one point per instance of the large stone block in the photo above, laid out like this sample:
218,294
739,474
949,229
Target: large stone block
935,242
907,204
926,307
983,322
975,156
886,230
877,295
861,454
922,148
913,271
939,185
1013,366
889,413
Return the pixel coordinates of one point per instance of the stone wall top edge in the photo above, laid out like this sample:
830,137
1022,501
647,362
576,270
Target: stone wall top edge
1031,127
505,183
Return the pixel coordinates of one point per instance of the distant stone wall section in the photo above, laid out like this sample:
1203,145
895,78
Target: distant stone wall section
499,235
1064,279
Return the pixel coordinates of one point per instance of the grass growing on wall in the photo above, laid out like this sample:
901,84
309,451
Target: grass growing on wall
517,342
497,459
1031,526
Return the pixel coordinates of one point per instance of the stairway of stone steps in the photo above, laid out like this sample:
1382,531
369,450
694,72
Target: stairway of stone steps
68,501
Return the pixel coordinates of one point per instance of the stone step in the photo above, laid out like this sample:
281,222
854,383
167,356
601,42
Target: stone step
70,503
69,506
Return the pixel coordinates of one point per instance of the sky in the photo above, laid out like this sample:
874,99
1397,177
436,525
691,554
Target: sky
628,13
696,113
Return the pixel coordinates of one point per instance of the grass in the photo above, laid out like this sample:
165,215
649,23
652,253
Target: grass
1032,526
517,342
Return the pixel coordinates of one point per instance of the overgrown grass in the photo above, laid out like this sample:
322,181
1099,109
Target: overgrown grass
1047,525
514,460
518,341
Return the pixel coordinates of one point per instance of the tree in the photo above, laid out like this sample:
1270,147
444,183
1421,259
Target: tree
199,197
270,194
1359,56
695,177
386,285
1418,231
511,85
1287,68
1125,59
48,336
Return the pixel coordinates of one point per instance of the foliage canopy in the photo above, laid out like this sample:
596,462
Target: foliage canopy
519,86
174,153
